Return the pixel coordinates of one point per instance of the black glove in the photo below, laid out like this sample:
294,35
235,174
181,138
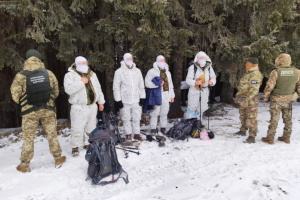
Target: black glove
142,101
120,104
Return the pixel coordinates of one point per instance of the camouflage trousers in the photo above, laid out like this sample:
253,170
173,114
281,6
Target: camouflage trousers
275,110
30,124
248,117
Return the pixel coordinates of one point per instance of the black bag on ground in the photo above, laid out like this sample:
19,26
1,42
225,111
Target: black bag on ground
183,129
102,157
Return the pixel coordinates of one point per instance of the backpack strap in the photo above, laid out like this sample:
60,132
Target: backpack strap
195,70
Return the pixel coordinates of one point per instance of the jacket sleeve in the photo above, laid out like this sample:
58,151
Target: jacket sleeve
117,86
190,76
270,85
55,84
148,80
171,87
255,83
99,91
71,86
142,86
212,75
16,88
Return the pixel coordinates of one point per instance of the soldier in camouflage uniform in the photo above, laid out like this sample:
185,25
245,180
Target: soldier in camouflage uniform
283,87
33,114
247,98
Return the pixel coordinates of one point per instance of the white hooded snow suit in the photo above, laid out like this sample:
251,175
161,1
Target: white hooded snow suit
163,109
193,110
128,87
83,116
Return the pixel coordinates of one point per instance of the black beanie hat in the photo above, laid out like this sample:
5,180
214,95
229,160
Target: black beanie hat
34,53
252,60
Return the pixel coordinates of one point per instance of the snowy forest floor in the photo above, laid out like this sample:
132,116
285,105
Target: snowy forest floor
221,169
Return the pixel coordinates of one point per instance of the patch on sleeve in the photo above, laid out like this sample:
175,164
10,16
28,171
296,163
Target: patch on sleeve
254,82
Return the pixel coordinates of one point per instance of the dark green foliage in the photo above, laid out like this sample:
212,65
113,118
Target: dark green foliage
228,30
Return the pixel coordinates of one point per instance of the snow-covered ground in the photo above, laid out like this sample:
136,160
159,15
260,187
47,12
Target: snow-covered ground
221,169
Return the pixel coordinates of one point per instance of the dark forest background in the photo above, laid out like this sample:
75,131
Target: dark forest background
229,31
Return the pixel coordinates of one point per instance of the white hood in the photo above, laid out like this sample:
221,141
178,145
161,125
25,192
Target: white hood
202,52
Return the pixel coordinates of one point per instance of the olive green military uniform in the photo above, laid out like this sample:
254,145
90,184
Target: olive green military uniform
248,90
30,121
283,88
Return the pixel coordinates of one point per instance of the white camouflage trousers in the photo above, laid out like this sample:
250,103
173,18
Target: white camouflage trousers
193,110
131,116
161,111
83,122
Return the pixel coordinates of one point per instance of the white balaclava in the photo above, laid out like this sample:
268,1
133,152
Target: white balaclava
202,62
128,62
79,67
161,65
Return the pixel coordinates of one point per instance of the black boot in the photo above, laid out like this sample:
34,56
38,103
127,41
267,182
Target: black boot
240,133
250,140
75,152
163,131
153,132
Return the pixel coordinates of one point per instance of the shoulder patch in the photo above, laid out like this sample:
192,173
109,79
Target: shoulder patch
254,82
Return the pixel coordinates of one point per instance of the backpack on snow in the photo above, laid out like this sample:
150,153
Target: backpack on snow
38,90
183,129
102,157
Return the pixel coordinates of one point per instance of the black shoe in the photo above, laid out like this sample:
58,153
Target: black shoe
163,131
75,152
153,132
250,140
240,133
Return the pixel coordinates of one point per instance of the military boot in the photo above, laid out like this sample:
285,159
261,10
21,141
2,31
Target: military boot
75,152
86,147
250,140
267,140
284,139
240,133
163,131
128,137
59,161
23,167
153,132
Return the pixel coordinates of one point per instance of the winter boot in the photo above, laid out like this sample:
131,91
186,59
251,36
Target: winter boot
163,131
153,132
86,147
23,167
284,139
250,140
137,137
267,140
128,137
240,133
75,152
59,161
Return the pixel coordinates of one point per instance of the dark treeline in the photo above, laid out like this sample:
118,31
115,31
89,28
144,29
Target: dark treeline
103,30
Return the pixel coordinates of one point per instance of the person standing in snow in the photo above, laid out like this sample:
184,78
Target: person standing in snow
200,76
129,93
283,88
83,86
35,90
247,98
160,77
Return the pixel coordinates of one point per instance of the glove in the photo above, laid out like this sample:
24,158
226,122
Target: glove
244,103
120,104
142,101
238,100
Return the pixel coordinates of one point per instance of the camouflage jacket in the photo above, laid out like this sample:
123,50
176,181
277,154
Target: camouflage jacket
250,83
18,87
279,98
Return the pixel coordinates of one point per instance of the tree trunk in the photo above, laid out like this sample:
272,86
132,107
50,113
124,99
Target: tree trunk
227,91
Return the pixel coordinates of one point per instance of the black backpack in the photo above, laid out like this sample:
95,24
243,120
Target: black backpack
38,90
102,157
183,129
